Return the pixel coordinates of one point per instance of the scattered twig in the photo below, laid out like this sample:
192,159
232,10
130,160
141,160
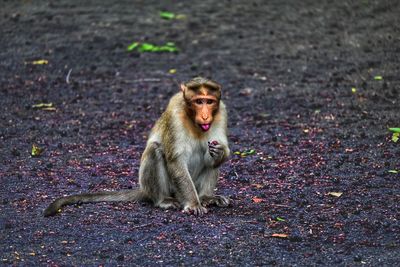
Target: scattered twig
277,183
67,78
242,222
145,80
279,205
141,226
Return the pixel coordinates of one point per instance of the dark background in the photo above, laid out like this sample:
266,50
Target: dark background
287,68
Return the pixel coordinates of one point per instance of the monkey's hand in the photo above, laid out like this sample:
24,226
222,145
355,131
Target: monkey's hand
217,153
195,209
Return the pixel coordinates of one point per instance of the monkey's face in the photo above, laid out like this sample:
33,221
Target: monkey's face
202,104
204,107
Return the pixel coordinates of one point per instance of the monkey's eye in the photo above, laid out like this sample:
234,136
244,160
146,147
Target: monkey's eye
198,101
210,101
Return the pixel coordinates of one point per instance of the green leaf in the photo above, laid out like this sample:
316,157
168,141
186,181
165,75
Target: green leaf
42,105
393,171
245,153
180,16
169,47
147,47
394,130
132,46
38,62
36,151
167,15
395,137
251,152
279,219
378,78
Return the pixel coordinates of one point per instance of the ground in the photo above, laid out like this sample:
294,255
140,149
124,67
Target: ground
311,87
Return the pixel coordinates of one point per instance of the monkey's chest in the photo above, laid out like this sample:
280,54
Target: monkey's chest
196,162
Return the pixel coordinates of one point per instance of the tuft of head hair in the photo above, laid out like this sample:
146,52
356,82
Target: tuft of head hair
199,82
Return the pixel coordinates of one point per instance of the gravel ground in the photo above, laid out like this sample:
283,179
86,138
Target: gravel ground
311,87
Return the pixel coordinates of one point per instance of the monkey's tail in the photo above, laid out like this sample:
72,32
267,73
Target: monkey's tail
126,195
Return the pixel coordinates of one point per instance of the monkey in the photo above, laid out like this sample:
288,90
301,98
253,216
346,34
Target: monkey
180,164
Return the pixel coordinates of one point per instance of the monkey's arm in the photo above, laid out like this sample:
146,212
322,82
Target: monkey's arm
186,190
217,154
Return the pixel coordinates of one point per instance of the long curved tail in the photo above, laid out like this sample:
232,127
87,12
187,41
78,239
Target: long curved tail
126,195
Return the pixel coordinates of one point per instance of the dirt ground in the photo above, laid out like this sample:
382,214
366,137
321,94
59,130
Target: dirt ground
311,87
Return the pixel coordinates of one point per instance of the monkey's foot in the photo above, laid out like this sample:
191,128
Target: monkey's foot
169,203
196,210
220,201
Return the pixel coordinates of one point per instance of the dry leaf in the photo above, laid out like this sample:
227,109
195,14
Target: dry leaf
335,194
257,200
280,235
258,186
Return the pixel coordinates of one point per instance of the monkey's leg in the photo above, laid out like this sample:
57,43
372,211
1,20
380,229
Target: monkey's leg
154,179
185,189
205,185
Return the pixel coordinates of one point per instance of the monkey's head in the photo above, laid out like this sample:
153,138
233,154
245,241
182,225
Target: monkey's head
202,97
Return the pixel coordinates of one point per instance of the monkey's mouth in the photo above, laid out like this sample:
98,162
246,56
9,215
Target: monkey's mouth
205,127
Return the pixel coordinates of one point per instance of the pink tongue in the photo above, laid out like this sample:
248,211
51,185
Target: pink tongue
205,127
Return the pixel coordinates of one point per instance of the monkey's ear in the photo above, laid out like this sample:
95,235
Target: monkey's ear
183,87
